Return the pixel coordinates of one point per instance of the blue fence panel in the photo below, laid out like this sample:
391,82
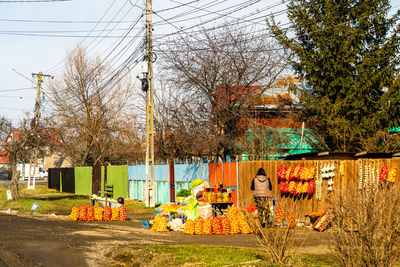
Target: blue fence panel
161,173
137,172
190,172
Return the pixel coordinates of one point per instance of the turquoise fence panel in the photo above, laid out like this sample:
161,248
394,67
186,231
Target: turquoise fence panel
136,189
162,194
190,172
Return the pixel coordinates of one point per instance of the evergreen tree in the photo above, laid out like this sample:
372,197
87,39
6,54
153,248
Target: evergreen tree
348,52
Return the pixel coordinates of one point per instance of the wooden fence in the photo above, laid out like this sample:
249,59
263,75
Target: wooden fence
347,173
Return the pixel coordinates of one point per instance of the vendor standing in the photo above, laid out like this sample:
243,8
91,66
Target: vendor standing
262,187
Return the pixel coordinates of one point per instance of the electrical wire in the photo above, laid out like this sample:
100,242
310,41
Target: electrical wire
175,7
33,1
17,89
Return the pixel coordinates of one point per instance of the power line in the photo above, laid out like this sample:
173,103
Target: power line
65,21
32,1
17,89
175,7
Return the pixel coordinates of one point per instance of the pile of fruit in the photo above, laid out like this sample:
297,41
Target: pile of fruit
198,226
107,214
98,214
114,214
90,213
233,219
83,213
160,224
216,226
74,214
243,224
207,226
189,227
122,213
226,226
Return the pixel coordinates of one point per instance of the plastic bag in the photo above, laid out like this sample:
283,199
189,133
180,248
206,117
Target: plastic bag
205,211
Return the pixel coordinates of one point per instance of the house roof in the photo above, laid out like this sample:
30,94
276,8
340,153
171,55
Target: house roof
4,157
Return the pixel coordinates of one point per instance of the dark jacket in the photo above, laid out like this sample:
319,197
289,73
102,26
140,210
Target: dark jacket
261,185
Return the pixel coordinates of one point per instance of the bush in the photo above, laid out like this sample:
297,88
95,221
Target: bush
366,230
183,193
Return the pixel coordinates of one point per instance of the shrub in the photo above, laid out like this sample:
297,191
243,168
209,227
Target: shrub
366,229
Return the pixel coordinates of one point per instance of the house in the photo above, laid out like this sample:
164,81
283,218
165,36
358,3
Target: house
5,173
35,167
270,114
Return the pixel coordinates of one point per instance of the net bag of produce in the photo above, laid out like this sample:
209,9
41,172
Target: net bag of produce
243,224
122,213
216,226
226,226
207,226
233,219
107,213
114,214
160,224
189,227
74,214
98,214
83,213
198,226
90,213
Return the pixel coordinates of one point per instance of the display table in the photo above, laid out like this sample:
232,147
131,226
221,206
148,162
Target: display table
218,207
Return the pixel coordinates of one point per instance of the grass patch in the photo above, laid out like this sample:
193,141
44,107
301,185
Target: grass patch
52,201
202,255
196,255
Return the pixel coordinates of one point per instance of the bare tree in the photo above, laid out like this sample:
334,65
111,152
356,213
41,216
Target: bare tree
88,107
216,71
182,130
20,143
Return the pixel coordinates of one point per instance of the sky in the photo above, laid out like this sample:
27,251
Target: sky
36,36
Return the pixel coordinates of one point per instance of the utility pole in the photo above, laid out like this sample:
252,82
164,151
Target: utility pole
38,96
147,85
35,123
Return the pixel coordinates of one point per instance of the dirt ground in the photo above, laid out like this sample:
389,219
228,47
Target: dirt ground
55,241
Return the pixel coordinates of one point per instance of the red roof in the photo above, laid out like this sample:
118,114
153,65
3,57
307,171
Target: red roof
4,157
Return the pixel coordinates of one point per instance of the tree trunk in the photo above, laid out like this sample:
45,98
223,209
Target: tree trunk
14,179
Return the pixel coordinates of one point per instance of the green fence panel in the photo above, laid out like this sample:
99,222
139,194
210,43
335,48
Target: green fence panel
118,177
83,180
